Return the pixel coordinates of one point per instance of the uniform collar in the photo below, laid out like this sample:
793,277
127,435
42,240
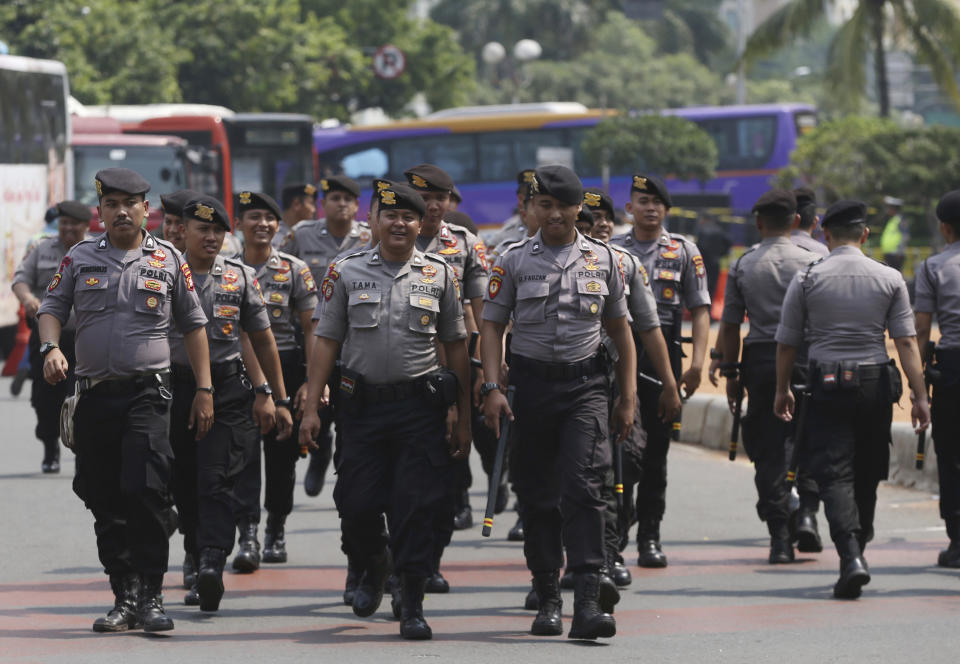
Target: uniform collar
581,243
274,261
417,259
353,232
218,265
847,250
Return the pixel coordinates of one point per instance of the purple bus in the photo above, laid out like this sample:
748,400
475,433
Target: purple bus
483,148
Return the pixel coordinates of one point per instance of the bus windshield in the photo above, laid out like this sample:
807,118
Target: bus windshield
162,166
267,154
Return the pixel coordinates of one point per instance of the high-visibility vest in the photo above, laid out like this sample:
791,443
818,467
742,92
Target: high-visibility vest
892,238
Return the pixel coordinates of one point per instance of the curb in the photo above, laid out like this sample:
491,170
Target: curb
707,421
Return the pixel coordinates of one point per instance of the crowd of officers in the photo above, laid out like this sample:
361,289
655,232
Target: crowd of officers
187,353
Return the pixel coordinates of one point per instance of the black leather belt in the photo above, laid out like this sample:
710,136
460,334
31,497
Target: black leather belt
559,371
123,386
218,372
372,394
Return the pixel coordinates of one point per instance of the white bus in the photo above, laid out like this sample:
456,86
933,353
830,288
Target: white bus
35,160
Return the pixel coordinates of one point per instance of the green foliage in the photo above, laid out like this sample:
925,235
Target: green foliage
652,143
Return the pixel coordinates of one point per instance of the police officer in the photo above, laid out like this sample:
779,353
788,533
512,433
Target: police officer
31,279
679,279
561,288
513,228
756,285
600,205
127,289
895,235
385,309
291,297
299,204
467,255
207,468
172,206
841,305
802,235
938,291
317,242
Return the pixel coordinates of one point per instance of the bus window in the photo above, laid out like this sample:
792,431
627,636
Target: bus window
455,154
364,164
528,143
162,167
496,156
742,143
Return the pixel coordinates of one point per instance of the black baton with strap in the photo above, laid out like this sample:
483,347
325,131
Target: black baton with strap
930,374
494,486
803,395
729,370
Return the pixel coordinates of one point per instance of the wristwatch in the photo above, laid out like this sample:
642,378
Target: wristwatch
205,389
46,347
284,403
263,389
487,388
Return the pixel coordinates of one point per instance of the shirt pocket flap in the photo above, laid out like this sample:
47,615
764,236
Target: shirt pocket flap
592,287
152,285
363,297
421,301
528,290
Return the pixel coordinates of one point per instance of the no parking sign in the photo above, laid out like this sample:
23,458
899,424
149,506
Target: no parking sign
389,62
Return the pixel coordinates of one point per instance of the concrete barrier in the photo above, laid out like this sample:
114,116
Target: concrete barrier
707,421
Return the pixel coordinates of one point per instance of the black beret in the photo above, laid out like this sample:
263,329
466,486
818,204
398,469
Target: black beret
948,209
252,200
559,182
74,209
524,178
379,184
124,180
585,216
648,184
339,183
173,203
776,202
401,197
596,199
427,177
207,208
805,197
292,192
843,213
456,195
460,219
50,215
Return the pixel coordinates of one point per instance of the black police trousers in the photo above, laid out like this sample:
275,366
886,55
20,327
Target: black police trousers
207,470
124,462
392,460
560,457
280,456
652,486
45,398
945,415
847,446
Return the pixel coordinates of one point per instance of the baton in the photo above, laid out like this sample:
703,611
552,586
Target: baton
803,391
735,431
928,377
494,485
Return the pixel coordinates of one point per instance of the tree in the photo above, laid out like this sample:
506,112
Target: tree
932,26
693,26
663,145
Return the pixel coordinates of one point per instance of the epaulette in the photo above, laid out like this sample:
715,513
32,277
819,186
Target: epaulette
458,227
749,249
515,245
305,224
290,257
813,264
341,259
234,260
595,241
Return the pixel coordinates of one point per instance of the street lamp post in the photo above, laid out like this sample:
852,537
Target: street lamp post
525,50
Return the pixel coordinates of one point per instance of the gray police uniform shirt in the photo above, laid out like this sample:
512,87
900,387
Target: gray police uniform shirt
803,239
39,264
675,268
283,232
232,246
938,291
757,283
845,302
231,300
288,289
641,304
558,308
311,242
465,253
503,240
388,318
124,302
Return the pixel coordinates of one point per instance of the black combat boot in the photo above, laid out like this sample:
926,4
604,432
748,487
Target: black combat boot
248,548
436,584
648,545
532,602
350,584
608,596
51,456
950,557
515,534
274,541
317,469
589,622
210,578
807,534
189,571
192,598
394,586
151,605
568,580
547,587
781,548
854,573
126,595
463,519
369,593
618,571
412,624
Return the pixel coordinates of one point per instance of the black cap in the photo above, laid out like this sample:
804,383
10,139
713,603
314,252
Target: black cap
207,208
173,203
460,218
805,197
401,197
559,182
75,210
339,183
776,202
427,177
948,209
524,178
50,215
252,200
456,195
843,213
596,199
124,180
648,184
292,192
585,216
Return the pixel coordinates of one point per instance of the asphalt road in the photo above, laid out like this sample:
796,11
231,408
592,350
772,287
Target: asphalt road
718,601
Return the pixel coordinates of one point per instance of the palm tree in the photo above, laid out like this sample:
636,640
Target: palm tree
932,26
